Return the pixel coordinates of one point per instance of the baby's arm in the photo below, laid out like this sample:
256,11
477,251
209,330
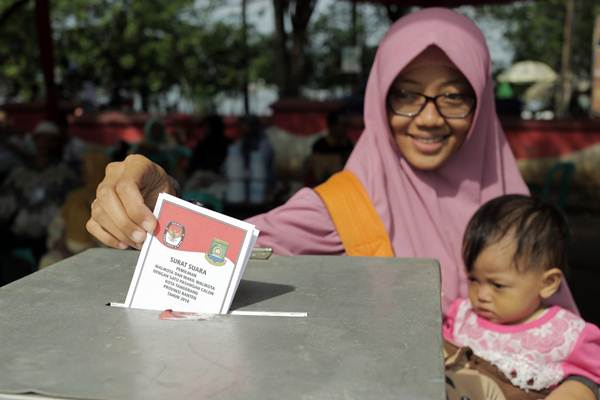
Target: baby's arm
571,389
582,368
449,320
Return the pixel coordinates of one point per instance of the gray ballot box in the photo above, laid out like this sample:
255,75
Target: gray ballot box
373,331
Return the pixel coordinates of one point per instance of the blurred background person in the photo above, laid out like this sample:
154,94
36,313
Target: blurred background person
205,183
211,150
182,152
30,197
155,145
13,146
66,235
329,153
119,150
249,164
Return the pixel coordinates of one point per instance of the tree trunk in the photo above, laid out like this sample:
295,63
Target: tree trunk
354,24
283,72
245,59
595,106
44,37
292,61
300,19
145,98
117,78
297,61
563,97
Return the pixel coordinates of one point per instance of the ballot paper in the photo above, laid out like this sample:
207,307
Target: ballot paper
193,261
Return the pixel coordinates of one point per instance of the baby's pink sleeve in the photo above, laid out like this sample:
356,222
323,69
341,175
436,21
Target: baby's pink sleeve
584,360
449,320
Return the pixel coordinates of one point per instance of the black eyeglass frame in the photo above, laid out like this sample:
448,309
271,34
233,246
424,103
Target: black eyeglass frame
434,100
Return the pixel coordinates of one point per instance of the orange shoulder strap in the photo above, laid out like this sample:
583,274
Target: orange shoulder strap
355,219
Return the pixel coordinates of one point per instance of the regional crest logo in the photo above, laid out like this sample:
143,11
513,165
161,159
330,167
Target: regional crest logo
174,234
216,252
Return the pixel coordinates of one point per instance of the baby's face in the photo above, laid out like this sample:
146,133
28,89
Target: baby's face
498,291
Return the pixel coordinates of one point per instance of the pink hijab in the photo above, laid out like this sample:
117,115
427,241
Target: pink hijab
424,212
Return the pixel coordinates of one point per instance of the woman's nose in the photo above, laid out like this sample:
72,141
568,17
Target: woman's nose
430,116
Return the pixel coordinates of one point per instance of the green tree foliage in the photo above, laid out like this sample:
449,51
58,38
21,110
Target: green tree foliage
131,46
535,31
333,31
20,72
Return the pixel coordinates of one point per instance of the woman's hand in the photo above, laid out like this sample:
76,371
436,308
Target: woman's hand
121,213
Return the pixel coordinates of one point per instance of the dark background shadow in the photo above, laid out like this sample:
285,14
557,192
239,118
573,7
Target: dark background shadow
584,265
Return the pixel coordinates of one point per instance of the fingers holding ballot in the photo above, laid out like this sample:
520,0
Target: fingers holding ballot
121,212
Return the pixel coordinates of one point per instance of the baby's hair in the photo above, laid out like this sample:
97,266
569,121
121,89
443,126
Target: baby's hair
539,228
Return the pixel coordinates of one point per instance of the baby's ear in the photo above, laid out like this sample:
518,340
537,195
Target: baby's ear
550,282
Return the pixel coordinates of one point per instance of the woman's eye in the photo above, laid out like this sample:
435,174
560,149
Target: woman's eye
498,285
455,97
405,95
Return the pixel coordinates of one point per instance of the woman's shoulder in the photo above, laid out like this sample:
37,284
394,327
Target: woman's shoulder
300,226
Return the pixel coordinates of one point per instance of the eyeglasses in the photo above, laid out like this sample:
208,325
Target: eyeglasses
449,105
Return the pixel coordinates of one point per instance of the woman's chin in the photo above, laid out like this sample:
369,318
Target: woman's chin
426,162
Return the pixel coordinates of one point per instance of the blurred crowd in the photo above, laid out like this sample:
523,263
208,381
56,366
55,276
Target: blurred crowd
48,177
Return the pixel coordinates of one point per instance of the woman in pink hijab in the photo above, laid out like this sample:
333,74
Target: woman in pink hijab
426,174
431,153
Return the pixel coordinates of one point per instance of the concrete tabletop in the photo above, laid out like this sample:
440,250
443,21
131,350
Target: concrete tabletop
373,331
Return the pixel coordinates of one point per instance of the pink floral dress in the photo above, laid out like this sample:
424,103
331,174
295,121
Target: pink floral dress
534,355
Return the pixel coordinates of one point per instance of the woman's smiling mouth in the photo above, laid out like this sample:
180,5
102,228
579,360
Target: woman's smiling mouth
434,139
428,145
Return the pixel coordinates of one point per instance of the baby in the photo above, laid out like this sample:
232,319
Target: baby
514,249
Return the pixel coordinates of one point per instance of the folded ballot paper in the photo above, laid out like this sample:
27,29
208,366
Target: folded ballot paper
193,261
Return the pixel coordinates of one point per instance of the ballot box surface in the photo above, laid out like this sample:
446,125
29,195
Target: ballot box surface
373,331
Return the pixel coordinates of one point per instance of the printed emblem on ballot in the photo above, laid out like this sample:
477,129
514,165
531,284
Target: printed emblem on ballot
174,234
216,252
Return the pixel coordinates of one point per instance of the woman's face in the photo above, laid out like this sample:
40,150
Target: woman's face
428,139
